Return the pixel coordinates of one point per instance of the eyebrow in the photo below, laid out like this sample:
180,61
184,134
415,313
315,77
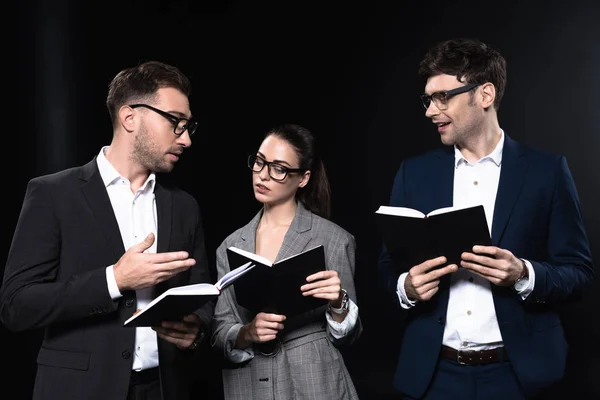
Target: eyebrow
275,161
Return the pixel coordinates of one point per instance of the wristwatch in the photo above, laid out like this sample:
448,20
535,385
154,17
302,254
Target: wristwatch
522,281
196,342
345,303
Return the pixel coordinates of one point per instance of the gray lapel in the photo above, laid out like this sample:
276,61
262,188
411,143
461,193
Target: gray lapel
298,236
296,239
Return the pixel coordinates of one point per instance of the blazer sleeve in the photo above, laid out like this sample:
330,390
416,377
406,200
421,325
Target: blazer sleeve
201,273
31,296
227,321
568,270
388,272
342,258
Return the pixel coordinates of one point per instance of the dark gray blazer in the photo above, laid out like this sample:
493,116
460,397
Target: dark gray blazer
308,364
55,279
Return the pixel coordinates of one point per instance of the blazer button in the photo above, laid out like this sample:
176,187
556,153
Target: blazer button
129,303
126,354
441,320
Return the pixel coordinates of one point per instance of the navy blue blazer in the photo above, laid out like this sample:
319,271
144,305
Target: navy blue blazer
537,217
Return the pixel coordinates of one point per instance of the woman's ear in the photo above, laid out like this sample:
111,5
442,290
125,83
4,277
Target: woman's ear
305,178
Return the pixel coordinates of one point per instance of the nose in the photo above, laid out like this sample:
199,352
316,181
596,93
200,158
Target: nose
431,110
264,173
184,139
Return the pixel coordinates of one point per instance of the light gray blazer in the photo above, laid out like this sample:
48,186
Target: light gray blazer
308,364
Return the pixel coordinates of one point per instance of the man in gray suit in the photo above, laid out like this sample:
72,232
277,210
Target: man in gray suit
97,242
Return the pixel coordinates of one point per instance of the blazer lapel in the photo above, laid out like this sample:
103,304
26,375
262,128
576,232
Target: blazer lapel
512,175
443,180
247,239
97,198
297,238
164,216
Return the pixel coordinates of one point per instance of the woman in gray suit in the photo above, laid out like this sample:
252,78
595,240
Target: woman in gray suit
272,356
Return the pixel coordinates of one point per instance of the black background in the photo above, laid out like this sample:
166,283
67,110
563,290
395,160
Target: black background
348,73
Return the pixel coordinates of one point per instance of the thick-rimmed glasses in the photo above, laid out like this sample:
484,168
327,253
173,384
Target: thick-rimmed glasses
277,172
180,125
440,99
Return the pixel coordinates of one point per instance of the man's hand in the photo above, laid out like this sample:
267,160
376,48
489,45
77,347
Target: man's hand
182,333
499,266
423,280
137,270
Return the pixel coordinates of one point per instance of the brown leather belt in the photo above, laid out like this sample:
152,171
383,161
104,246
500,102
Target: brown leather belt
474,357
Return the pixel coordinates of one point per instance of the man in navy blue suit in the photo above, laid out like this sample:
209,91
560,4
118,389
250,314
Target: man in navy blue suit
487,328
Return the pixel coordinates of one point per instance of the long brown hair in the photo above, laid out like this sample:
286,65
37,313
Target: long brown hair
316,195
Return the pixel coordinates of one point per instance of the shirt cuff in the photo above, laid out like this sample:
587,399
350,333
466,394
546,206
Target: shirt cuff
405,302
341,329
236,355
113,289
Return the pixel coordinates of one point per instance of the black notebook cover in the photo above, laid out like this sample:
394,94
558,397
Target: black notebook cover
413,240
174,304
275,288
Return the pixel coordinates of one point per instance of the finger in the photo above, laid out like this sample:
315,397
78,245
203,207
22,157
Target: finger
323,291
169,269
482,270
431,264
192,318
268,330
430,293
328,283
436,274
321,275
421,290
270,317
328,295
167,332
483,259
160,258
266,338
143,245
181,326
182,343
490,251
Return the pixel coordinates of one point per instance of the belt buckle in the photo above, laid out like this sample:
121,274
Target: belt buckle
274,346
459,358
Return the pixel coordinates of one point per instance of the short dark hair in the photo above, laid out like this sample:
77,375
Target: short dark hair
140,84
470,59
316,195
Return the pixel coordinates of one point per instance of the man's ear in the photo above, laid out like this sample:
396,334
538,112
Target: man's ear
126,118
305,178
488,93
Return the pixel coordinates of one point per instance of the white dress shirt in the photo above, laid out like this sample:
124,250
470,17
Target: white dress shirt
471,322
136,216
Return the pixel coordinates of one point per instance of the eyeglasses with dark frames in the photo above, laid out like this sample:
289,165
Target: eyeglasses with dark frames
440,99
277,172
180,125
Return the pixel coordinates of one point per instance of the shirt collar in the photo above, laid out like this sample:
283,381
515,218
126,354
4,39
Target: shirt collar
110,175
495,156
